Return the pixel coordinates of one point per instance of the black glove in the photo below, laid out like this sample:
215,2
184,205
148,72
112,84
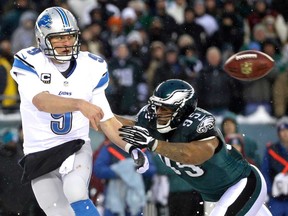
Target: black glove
138,137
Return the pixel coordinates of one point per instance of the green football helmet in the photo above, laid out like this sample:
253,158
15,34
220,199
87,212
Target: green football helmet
174,94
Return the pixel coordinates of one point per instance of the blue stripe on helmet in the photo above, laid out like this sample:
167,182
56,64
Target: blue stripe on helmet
63,16
19,64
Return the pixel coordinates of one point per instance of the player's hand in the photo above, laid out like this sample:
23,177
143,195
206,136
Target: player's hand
92,112
138,137
140,159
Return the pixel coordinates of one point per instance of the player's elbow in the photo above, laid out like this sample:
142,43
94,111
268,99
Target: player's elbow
204,157
196,159
201,153
38,102
190,159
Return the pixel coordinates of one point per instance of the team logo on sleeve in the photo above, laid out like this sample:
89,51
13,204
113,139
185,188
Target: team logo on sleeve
206,124
46,78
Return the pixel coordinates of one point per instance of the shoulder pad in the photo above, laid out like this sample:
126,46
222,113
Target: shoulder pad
98,69
28,54
27,59
207,123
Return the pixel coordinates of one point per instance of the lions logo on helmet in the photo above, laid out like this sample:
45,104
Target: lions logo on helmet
45,21
56,21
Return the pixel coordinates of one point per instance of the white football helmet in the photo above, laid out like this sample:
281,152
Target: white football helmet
56,21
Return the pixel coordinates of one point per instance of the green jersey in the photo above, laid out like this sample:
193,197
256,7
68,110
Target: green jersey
212,178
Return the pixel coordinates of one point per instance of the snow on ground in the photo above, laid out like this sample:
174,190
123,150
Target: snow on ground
260,116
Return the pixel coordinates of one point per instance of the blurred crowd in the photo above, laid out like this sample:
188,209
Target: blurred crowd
148,41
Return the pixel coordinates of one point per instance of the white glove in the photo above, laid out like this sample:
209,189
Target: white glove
139,157
138,137
280,185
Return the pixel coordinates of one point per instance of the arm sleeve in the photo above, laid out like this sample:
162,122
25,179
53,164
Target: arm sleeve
100,100
25,81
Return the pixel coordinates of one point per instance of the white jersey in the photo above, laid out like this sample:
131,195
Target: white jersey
35,73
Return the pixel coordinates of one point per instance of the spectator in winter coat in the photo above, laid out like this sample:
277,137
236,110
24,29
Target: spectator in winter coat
125,191
229,125
274,169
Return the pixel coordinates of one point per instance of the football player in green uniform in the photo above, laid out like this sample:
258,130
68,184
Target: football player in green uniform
188,141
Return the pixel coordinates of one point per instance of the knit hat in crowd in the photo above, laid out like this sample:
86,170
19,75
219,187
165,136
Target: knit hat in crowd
282,123
229,116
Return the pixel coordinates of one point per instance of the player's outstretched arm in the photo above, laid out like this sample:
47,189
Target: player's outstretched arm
125,120
54,104
195,152
111,128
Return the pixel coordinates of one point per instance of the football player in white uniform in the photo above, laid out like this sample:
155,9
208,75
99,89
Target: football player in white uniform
62,92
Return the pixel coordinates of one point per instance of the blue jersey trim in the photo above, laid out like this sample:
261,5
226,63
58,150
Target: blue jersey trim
103,80
72,69
19,64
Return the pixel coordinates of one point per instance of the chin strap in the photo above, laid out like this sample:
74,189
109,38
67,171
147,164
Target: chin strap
164,128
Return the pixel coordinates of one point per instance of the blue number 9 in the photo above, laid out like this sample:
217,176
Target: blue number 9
62,124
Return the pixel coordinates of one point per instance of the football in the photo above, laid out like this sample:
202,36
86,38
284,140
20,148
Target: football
249,65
